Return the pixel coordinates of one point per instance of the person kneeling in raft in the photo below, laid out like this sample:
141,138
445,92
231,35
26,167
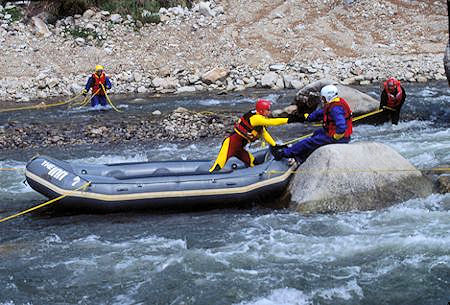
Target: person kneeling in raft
249,128
337,127
98,81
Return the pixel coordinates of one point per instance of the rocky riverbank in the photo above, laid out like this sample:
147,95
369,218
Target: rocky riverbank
177,126
224,46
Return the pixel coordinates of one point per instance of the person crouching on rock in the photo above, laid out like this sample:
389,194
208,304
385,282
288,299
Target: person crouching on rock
249,128
98,81
392,98
337,127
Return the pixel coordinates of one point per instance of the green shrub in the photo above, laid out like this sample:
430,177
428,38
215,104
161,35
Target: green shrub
64,8
77,31
15,12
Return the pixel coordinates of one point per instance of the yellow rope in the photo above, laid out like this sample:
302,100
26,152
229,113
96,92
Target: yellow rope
11,169
297,139
45,203
41,105
109,101
87,99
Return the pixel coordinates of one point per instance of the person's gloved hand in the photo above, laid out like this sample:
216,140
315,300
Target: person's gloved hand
338,136
277,151
294,118
84,92
306,115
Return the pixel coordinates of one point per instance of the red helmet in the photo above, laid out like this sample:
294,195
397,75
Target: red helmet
262,105
391,84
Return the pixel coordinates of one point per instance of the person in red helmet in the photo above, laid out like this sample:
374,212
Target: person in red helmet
392,98
249,128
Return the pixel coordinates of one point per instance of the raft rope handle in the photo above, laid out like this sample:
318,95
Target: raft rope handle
41,106
109,100
84,186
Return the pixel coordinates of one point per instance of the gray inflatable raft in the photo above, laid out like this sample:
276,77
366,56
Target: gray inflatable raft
157,185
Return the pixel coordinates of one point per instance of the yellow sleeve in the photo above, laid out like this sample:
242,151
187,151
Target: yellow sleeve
260,120
266,135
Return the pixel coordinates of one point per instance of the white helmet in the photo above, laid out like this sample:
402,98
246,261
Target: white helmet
329,92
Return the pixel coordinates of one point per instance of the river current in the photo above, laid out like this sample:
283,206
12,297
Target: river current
258,256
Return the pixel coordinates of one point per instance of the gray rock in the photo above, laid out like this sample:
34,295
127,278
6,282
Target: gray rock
205,10
277,67
186,89
359,176
41,27
88,14
359,102
115,18
141,89
156,112
80,41
137,76
269,79
75,88
216,74
165,83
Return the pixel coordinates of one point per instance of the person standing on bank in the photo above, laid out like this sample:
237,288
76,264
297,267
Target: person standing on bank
392,98
337,127
98,81
249,128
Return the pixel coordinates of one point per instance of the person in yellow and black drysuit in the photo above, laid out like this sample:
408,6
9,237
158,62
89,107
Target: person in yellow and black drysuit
249,128
98,81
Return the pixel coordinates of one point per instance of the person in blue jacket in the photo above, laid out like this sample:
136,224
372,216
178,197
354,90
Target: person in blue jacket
98,81
337,127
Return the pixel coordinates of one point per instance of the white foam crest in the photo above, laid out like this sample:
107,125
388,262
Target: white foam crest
281,296
52,239
11,180
427,92
154,243
345,292
111,159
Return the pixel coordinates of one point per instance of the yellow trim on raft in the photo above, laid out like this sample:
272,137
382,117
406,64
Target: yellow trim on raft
155,195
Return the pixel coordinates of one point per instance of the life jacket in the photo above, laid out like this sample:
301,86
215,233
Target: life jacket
97,81
330,125
393,100
243,127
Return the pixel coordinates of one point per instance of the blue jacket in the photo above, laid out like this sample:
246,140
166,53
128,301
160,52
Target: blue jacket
338,115
90,83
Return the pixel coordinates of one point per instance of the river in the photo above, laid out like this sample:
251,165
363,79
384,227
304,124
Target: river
258,256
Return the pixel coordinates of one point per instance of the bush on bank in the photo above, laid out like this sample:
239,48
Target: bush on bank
144,10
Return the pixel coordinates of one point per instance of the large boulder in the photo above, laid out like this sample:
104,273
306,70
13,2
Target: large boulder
308,97
359,176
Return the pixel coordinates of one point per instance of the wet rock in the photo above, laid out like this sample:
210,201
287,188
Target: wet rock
443,184
358,176
359,102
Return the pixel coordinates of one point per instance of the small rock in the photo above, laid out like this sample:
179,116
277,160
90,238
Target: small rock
115,18
88,14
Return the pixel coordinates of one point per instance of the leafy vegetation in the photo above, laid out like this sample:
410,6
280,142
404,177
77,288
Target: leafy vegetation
144,10
16,13
77,31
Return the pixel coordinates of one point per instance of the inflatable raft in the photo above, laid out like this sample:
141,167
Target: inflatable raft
157,185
